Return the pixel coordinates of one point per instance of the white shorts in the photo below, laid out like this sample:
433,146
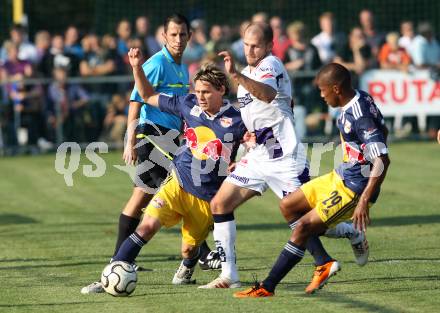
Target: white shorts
282,175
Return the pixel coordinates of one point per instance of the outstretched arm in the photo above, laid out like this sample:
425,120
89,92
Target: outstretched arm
259,90
146,91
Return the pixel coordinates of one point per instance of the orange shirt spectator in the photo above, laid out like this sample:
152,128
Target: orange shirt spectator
391,56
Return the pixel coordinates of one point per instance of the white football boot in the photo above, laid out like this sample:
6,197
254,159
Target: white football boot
361,251
221,282
358,240
95,287
183,275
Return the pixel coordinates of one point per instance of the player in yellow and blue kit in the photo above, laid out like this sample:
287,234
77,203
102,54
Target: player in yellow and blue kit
170,76
345,193
213,130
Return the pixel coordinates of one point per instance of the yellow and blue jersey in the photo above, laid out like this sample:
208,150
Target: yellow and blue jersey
167,77
211,142
361,127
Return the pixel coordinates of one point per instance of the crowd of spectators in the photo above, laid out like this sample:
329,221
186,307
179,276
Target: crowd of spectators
87,111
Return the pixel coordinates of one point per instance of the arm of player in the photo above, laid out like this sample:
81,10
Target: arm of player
145,89
129,156
361,216
259,90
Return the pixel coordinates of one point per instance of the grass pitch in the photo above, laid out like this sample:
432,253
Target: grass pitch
55,239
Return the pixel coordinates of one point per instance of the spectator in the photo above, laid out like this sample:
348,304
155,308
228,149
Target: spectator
195,50
115,121
237,46
328,41
407,32
67,106
42,43
425,49
123,30
391,56
97,61
151,46
280,41
71,42
215,37
260,17
57,57
425,53
374,38
198,27
160,36
14,70
355,55
302,56
26,50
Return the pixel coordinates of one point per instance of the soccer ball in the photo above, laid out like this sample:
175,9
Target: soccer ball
119,279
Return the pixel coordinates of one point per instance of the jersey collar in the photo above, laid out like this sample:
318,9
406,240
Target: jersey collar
167,55
351,102
226,105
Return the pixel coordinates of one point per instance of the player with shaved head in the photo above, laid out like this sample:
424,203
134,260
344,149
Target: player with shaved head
347,192
278,160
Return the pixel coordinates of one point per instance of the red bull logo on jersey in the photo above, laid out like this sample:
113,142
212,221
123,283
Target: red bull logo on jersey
352,154
204,144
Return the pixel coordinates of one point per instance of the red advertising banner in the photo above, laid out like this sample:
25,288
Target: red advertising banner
399,94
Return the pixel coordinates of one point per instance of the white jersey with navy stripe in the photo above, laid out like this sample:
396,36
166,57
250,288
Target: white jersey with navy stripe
271,122
361,126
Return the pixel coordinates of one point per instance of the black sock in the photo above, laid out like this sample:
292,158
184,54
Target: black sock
130,248
288,258
127,226
204,250
193,261
315,248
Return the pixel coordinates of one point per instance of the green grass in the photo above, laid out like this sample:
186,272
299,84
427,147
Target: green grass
55,239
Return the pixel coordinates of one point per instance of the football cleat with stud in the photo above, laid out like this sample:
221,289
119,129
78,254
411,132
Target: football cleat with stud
221,282
361,251
211,262
95,287
183,275
257,291
322,274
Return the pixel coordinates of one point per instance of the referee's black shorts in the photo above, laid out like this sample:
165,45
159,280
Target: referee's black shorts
153,177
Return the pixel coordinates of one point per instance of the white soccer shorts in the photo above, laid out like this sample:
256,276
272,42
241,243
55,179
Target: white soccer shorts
282,175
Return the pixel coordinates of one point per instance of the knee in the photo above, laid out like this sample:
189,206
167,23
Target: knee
217,207
302,229
285,208
148,227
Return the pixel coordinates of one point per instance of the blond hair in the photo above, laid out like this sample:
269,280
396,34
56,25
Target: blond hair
213,75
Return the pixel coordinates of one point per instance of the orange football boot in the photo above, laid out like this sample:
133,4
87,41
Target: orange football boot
322,274
256,291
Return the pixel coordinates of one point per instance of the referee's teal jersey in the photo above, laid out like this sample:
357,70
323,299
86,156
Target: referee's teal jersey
167,77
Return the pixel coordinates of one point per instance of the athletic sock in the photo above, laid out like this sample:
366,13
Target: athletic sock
342,230
224,236
127,226
315,248
192,261
204,250
288,258
130,248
